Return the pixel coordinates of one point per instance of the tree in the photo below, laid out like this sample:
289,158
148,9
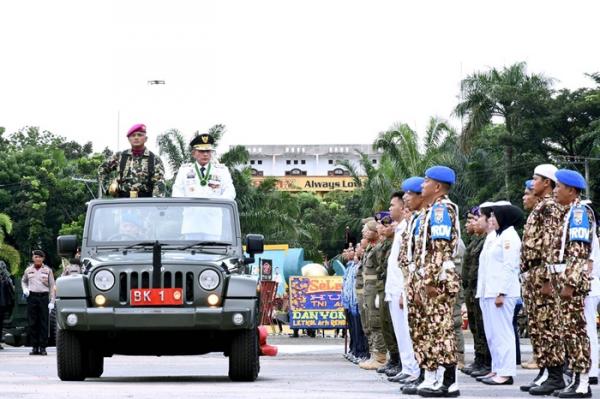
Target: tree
7,252
518,99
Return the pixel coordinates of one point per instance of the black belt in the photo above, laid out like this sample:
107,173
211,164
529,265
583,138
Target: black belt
38,293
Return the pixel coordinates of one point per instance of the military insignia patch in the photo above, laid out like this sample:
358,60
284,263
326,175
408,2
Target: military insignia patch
440,223
204,139
579,225
578,216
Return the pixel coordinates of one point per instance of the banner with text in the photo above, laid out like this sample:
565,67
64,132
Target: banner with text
316,302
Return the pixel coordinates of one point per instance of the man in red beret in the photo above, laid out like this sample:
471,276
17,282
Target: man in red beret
140,173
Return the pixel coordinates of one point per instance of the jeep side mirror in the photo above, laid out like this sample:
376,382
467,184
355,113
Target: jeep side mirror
255,244
66,246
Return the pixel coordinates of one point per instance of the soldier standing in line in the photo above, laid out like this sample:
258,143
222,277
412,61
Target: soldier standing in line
482,362
436,247
38,284
376,342
360,295
386,232
539,253
140,173
578,229
592,300
530,200
414,299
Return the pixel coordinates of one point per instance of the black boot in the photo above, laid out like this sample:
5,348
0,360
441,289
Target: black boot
553,382
395,367
35,351
477,363
536,381
448,388
392,361
43,351
579,388
411,388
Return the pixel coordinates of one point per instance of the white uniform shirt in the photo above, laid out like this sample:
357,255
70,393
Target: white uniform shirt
491,236
394,284
501,267
219,183
595,257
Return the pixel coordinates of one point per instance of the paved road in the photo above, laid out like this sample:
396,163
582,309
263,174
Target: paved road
305,368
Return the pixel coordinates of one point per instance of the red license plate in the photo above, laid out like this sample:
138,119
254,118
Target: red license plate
156,296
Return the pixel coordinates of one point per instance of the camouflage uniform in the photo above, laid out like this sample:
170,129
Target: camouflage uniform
469,280
389,337
360,296
576,251
413,283
370,275
540,250
135,176
434,262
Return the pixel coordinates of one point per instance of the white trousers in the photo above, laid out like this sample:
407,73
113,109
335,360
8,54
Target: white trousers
500,335
405,347
590,310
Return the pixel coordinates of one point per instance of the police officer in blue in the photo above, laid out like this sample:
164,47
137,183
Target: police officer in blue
576,246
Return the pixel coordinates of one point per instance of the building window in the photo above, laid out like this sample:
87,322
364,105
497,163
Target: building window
255,172
295,172
288,162
252,162
295,162
331,162
259,162
374,161
303,162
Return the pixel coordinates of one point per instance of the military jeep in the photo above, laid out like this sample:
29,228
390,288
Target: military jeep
161,276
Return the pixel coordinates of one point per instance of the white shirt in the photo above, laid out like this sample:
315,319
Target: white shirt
219,183
482,261
595,257
501,267
394,284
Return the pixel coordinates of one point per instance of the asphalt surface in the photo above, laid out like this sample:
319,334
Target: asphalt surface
304,368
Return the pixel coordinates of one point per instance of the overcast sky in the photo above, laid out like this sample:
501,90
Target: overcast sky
272,71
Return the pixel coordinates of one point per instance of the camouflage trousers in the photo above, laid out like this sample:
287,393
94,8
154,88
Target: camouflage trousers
476,325
545,320
575,338
376,341
362,311
458,321
416,313
387,328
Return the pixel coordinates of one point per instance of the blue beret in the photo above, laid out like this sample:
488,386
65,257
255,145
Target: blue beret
529,184
382,214
571,178
412,184
442,174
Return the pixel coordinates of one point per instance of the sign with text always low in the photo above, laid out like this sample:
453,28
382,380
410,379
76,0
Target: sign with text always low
316,302
311,183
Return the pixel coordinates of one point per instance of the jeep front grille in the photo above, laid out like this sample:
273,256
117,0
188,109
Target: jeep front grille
128,281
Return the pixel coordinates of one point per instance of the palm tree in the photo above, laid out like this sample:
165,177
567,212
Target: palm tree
8,253
174,147
510,94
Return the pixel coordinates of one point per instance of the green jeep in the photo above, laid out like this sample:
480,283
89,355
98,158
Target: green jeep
161,276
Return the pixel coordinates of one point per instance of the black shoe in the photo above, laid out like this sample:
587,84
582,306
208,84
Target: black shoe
448,388
393,361
399,377
482,377
480,372
43,352
490,381
1,347
393,371
593,381
536,381
35,351
412,388
468,369
577,389
555,381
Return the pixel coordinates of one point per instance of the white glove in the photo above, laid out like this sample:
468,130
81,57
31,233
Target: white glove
26,292
50,306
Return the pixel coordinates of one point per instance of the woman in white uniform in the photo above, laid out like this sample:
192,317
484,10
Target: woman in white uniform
500,291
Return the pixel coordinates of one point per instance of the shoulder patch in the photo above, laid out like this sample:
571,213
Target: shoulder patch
440,223
579,224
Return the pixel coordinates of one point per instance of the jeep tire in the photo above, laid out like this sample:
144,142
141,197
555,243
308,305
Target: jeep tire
94,364
244,363
70,356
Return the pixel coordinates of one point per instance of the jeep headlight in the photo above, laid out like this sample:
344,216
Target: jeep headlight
104,280
209,279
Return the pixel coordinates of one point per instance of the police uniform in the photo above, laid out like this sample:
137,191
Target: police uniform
578,229
436,246
212,180
38,284
370,277
139,174
539,253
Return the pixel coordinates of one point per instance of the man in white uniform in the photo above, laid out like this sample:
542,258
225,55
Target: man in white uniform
591,304
203,178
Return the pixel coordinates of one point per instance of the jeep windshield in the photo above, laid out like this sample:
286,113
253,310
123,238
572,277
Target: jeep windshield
177,223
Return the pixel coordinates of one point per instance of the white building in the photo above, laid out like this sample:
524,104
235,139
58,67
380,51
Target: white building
307,160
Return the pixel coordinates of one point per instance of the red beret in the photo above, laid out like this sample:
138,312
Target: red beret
140,127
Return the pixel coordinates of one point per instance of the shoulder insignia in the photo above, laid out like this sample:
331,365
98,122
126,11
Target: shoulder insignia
579,224
440,223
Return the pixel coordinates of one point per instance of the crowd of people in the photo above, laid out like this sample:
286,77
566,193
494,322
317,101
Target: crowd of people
407,278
